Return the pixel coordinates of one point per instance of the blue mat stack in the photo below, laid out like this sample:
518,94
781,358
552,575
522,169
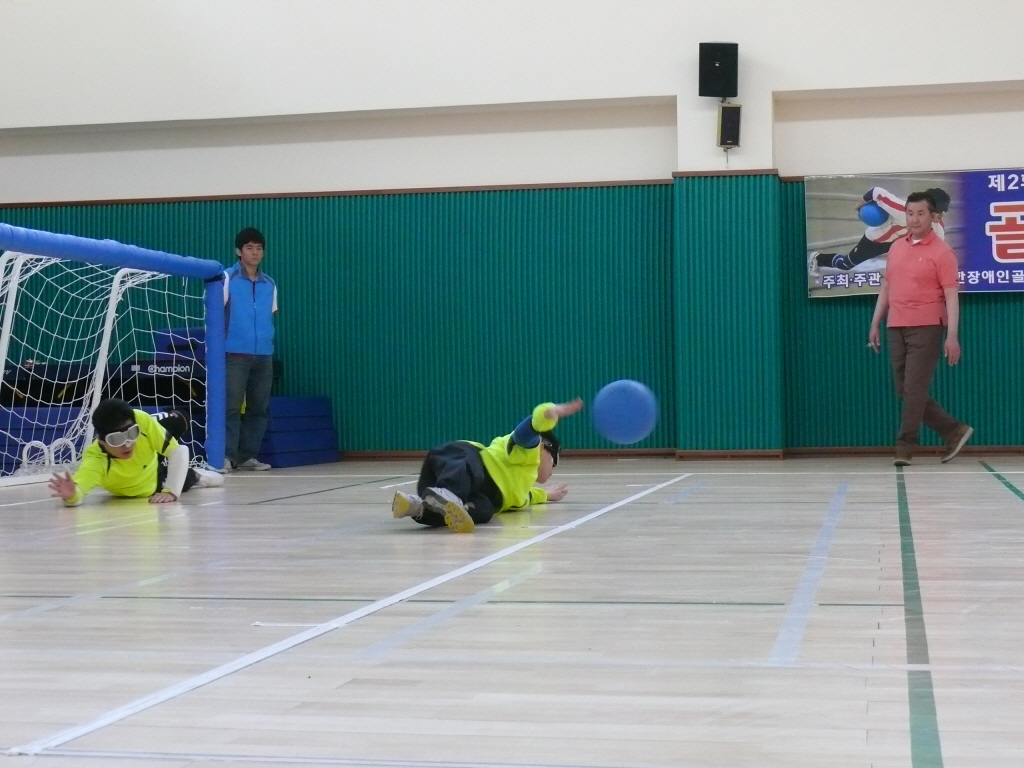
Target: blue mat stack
300,430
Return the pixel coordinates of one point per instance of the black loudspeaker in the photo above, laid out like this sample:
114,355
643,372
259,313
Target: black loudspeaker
728,125
718,65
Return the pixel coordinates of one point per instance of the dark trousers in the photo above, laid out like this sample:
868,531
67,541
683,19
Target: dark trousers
175,425
457,467
914,352
864,250
248,377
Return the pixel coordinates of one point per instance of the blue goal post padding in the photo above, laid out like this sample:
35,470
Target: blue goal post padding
110,253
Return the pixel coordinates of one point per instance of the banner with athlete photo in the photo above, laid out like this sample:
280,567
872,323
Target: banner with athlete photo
853,220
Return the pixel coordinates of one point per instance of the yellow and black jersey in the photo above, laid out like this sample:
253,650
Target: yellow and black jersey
134,476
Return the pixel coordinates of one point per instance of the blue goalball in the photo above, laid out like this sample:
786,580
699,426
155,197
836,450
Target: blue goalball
625,411
872,214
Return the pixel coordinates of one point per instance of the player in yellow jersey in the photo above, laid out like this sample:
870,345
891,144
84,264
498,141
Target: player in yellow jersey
134,454
463,483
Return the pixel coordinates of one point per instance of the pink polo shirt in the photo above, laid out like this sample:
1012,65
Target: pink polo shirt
916,274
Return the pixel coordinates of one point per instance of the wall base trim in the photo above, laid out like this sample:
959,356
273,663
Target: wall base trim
888,450
691,455
729,454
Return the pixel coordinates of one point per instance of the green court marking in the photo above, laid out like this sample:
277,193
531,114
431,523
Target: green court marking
1012,488
925,748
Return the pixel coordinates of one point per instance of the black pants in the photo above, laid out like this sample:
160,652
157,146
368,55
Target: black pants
864,250
457,467
175,424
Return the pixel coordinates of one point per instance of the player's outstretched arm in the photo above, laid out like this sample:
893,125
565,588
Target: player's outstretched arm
559,410
62,486
557,492
177,469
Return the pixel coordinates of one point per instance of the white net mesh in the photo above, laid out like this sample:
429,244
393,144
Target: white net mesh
74,333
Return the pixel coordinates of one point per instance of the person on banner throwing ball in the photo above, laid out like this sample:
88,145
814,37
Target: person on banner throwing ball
885,219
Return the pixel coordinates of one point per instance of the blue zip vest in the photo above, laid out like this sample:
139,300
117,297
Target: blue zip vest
249,313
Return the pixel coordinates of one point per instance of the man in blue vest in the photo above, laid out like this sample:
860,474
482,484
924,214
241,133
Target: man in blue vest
250,301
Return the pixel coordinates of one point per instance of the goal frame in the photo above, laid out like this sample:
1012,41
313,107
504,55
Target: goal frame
18,243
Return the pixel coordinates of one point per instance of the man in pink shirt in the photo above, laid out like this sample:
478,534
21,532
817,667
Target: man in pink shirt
920,294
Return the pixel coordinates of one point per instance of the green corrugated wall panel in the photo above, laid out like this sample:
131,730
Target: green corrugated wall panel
982,389
839,393
727,270
440,315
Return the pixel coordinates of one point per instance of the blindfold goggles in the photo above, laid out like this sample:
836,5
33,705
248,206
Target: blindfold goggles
117,439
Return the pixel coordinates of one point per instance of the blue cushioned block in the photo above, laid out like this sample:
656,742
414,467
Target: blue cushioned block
289,442
297,423
299,406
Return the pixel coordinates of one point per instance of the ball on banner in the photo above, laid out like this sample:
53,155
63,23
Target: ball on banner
625,411
872,214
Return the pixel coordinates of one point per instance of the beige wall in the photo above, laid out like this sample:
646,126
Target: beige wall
143,98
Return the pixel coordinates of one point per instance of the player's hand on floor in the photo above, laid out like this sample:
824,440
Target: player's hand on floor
557,492
162,498
62,485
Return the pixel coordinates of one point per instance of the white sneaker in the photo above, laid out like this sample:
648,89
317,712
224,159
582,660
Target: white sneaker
445,502
208,478
228,468
406,505
813,268
253,465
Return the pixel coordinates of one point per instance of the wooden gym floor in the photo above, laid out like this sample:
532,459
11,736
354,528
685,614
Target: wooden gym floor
732,614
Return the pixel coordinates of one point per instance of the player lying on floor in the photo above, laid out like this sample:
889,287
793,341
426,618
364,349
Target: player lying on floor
463,483
134,454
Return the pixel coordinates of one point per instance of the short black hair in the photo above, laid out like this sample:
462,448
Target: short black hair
937,199
551,444
249,235
112,416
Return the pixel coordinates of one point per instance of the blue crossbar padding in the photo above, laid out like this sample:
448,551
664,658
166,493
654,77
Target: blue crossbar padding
109,253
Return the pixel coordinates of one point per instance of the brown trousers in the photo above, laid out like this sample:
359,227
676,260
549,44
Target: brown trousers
914,352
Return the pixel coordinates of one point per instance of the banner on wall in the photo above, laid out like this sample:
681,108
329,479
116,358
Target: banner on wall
853,220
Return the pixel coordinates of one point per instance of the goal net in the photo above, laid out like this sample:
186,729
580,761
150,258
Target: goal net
85,320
